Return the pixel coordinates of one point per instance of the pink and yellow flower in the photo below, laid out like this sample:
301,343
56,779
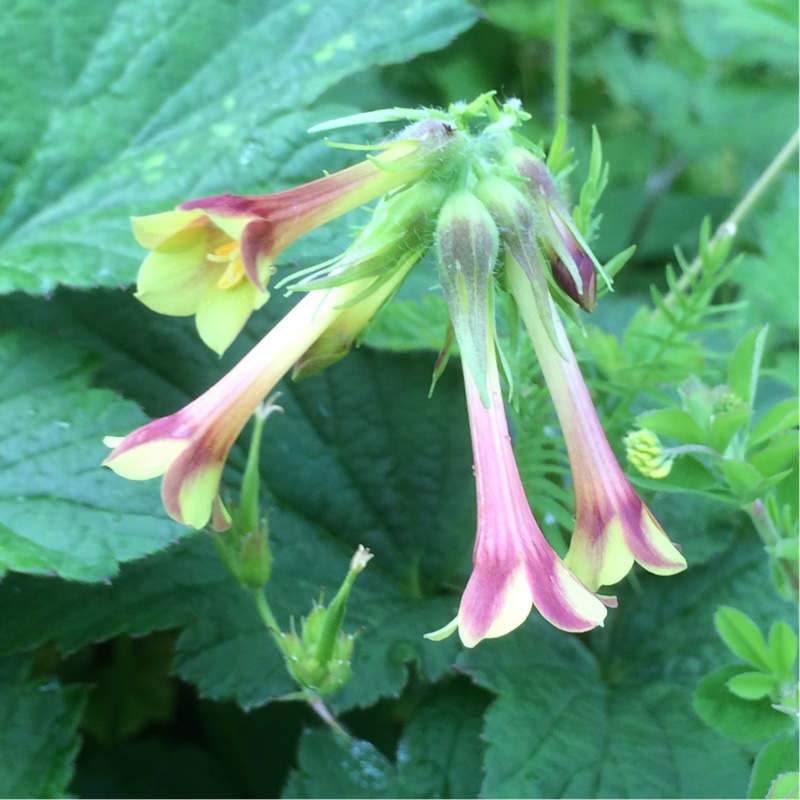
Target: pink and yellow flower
190,447
613,527
213,257
514,567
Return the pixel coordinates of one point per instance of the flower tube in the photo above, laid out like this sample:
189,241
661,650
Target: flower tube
613,527
190,447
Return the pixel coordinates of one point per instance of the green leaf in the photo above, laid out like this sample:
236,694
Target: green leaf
674,423
38,737
154,103
782,649
60,511
328,767
743,637
775,758
725,425
752,685
361,455
439,755
566,725
785,787
781,417
745,480
745,364
778,456
738,719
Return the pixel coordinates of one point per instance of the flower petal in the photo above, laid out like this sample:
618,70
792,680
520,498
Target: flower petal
221,314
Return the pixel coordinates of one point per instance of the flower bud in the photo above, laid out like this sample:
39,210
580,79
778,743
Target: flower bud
467,245
246,554
572,267
319,657
644,451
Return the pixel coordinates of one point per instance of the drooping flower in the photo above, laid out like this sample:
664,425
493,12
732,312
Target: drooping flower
190,447
213,257
613,526
514,567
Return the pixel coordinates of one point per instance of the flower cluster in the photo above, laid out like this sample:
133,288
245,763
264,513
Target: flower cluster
464,184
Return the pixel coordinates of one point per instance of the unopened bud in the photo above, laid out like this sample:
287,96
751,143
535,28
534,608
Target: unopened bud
246,554
645,452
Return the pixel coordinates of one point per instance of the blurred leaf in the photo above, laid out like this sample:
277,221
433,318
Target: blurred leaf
775,758
745,364
60,511
782,416
38,737
742,637
328,767
782,649
142,105
439,755
738,719
674,423
752,685
785,787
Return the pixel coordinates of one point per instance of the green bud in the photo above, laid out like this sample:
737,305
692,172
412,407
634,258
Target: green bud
467,245
318,658
246,554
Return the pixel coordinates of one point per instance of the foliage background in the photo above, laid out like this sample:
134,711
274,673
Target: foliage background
130,676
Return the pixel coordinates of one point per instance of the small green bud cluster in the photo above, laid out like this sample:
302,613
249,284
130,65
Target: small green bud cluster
318,658
645,452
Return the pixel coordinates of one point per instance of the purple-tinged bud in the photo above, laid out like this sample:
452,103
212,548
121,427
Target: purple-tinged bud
572,267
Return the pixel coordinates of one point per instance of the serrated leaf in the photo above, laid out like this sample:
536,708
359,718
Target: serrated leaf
775,758
144,105
740,720
361,455
60,511
742,636
38,737
562,726
752,685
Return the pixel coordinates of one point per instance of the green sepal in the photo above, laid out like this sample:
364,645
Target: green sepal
467,245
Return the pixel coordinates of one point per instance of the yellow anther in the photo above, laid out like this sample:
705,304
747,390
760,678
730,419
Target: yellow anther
233,273
227,248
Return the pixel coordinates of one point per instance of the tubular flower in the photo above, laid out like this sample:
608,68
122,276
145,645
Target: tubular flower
613,527
190,447
514,567
213,257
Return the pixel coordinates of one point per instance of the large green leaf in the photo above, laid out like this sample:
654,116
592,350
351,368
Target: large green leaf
129,107
60,512
563,726
38,737
439,755
361,455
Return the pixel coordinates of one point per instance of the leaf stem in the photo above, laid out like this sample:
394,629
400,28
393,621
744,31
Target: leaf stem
728,228
561,61
765,527
269,619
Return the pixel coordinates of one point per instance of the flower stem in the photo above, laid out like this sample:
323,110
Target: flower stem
765,528
269,619
561,61
728,228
